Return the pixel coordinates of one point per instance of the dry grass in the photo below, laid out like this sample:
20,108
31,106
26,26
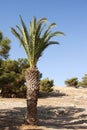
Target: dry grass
54,112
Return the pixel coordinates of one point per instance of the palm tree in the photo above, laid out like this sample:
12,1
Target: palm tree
34,42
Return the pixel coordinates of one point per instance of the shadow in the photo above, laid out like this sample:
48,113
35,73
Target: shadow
49,117
55,93
62,117
13,119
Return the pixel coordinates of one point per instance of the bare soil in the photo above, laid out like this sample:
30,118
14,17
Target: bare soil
65,111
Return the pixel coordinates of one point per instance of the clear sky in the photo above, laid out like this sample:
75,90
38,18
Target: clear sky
59,62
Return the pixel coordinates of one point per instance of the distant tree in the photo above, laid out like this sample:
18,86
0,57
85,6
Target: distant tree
83,83
46,85
73,82
4,46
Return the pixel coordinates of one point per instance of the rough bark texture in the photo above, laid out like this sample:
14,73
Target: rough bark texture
32,81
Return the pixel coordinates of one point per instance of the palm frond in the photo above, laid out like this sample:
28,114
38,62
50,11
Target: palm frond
24,30
41,21
19,29
19,37
26,37
50,35
16,34
48,32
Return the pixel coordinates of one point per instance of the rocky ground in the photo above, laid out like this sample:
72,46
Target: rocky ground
66,109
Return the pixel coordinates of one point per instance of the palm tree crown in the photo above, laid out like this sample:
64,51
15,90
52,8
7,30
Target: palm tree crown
36,40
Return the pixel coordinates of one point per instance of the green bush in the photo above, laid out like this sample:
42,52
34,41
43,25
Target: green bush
83,83
46,85
73,82
12,77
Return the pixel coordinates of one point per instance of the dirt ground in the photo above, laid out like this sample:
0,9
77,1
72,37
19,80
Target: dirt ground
65,111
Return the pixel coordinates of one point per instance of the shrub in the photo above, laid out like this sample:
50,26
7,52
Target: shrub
73,82
83,83
46,85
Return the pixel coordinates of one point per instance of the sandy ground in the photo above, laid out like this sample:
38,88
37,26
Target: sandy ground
67,112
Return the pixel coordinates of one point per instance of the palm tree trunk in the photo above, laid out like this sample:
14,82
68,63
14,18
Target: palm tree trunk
32,81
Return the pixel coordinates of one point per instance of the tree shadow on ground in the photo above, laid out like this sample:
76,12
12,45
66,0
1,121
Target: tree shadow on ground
62,117
13,119
55,93
49,117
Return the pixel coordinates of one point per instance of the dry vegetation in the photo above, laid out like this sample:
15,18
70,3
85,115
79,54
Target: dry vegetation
66,110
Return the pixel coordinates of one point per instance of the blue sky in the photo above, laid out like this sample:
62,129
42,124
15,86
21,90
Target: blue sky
58,62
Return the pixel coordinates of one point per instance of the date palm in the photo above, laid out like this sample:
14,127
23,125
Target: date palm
34,41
